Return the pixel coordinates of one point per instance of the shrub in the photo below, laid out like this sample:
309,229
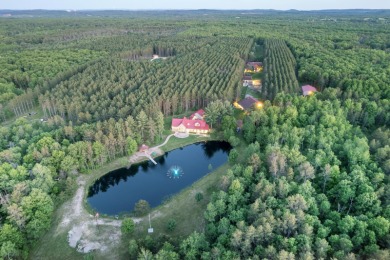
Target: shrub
141,208
127,226
199,196
171,225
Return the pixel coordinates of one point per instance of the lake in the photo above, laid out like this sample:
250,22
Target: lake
119,190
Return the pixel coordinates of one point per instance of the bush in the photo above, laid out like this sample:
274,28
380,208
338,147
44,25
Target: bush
127,226
233,156
141,208
171,225
133,249
234,141
89,256
199,196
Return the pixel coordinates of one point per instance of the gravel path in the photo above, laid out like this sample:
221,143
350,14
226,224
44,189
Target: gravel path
85,233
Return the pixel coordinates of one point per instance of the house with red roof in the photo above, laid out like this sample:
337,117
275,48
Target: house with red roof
194,124
308,90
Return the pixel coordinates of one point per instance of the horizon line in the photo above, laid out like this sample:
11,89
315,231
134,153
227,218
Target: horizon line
198,9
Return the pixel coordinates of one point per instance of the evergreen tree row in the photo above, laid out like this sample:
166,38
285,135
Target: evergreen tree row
118,88
279,69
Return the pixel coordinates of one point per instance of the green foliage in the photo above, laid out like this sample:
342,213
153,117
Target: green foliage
141,208
171,225
131,145
234,141
37,209
28,69
88,256
233,156
216,111
164,254
168,87
133,249
127,226
291,162
199,196
145,254
8,250
194,245
279,67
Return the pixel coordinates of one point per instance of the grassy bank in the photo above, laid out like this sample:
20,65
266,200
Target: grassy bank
187,212
183,208
175,142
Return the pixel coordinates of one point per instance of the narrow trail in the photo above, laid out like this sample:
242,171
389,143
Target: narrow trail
165,142
84,231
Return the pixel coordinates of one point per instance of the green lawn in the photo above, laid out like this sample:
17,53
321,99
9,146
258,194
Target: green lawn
248,91
253,93
243,92
258,75
184,209
259,52
239,114
175,142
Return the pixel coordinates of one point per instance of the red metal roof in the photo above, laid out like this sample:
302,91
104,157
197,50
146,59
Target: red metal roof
190,124
177,121
200,112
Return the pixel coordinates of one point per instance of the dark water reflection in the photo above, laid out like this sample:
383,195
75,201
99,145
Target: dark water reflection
119,190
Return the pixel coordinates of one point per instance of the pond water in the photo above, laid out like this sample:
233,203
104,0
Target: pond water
119,190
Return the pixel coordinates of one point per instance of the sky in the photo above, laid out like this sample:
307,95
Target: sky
194,4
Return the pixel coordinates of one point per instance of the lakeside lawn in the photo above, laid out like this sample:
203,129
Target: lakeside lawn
181,207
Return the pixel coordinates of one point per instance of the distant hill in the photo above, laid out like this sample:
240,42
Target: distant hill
115,13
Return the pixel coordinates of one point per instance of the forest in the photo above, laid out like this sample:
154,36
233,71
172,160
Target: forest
308,177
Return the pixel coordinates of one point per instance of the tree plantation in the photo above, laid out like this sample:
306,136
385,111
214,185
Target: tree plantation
307,178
